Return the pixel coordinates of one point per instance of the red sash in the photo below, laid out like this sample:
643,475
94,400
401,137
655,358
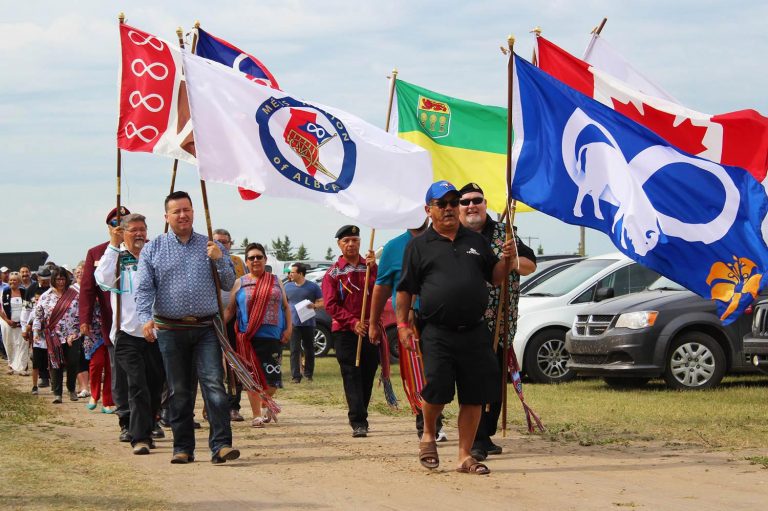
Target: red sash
257,305
52,341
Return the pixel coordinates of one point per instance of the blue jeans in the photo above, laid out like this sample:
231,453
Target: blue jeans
185,351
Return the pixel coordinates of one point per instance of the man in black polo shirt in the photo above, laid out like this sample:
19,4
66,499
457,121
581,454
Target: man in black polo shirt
448,267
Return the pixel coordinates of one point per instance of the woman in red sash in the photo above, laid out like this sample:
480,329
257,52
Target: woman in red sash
56,321
263,325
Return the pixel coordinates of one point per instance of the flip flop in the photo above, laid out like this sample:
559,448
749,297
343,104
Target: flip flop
472,466
428,455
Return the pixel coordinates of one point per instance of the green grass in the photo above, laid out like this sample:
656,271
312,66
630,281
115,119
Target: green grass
43,468
758,460
588,412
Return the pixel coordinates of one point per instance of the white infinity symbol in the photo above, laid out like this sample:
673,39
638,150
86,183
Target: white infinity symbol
148,69
144,101
270,369
319,131
146,40
138,132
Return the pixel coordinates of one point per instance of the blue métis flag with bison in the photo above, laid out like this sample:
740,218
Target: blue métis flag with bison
699,223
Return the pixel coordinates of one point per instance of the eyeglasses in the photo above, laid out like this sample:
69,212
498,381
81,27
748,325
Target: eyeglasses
474,200
257,257
443,203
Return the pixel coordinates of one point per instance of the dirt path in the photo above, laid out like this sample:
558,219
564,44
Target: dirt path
310,461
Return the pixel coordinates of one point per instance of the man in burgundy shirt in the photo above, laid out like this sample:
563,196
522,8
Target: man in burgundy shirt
90,293
343,286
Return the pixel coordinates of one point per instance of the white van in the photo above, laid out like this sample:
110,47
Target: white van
546,312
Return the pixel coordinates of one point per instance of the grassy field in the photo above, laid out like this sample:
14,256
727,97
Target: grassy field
731,416
41,468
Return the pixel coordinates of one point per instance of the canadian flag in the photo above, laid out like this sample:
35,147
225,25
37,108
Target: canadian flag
736,138
154,109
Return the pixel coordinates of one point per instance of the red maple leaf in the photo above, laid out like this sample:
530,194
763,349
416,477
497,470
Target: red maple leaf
685,136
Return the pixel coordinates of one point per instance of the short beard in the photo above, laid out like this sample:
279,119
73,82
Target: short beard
475,222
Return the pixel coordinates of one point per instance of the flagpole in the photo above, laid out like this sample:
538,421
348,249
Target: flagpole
373,231
511,208
582,230
118,301
180,35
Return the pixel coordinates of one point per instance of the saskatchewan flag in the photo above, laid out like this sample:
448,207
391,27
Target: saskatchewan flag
467,141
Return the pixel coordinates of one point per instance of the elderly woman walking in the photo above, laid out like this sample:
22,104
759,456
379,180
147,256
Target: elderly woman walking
16,347
263,324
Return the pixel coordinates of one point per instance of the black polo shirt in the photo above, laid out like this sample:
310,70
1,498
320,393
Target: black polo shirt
449,276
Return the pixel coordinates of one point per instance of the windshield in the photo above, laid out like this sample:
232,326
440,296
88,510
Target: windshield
570,278
663,283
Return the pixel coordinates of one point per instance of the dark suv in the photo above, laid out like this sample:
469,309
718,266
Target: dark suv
756,341
666,331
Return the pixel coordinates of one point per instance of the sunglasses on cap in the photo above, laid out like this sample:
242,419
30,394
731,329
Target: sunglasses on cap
474,200
444,203
258,257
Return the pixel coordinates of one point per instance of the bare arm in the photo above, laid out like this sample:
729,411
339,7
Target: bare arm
378,300
231,309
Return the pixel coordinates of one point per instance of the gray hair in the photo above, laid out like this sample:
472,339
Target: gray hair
222,232
133,217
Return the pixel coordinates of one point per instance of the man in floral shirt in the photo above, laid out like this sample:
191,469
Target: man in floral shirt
473,215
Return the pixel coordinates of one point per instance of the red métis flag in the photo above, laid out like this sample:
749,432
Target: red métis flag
154,110
736,138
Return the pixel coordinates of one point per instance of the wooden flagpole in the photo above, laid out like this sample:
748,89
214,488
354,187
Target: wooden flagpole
373,231
180,35
511,208
118,300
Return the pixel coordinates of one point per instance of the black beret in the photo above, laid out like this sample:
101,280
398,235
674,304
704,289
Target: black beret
471,187
347,230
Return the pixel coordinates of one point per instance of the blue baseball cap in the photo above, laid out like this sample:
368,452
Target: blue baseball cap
438,190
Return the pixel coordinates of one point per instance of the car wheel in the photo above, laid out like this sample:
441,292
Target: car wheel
616,382
394,344
323,342
546,358
695,361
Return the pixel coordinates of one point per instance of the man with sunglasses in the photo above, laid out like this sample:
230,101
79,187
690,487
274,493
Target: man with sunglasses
342,287
474,216
448,267
90,295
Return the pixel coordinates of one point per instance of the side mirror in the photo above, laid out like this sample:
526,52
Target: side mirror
603,293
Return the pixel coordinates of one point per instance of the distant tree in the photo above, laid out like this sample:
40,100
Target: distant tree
540,250
245,242
302,254
283,249
329,254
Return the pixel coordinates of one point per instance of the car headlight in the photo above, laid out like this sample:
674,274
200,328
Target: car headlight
637,320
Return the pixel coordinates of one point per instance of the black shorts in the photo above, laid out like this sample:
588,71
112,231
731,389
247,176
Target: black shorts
39,358
270,353
463,360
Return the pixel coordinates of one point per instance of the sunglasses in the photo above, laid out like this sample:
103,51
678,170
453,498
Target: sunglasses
257,257
474,200
443,203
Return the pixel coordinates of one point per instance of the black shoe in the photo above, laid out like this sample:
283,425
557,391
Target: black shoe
56,400
158,432
234,416
479,454
44,382
125,436
360,432
34,391
73,396
494,449
196,425
163,422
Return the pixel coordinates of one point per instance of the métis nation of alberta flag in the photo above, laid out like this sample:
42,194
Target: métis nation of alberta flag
735,138
467,141
154,113
692,220
250,135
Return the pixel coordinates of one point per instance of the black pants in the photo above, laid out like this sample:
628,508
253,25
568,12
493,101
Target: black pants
143,367
235,394
303,337
119,390
71,367
489,420
358,381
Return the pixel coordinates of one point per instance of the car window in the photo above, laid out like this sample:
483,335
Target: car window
629,279
640,278
587,296
665,283
567,280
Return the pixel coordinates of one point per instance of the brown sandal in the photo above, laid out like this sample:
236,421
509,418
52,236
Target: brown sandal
472,466
428,455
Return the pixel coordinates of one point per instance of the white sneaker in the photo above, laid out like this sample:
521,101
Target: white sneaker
441,436
84,393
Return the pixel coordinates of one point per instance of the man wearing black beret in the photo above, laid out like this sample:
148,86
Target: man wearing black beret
343,286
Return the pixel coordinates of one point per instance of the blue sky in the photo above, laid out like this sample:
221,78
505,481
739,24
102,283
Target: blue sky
58,93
